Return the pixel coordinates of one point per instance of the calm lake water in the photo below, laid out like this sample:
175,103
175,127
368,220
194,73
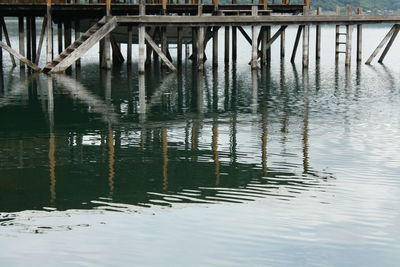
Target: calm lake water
228,167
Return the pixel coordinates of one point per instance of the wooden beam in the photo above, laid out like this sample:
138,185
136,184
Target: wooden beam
5,32
306,40
215,46
296,43
359,37
318,37
381,44
159,52
254,49
349,38
21,39
41,39
389,45
18,56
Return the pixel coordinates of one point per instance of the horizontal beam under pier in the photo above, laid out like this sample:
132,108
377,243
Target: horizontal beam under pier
197,21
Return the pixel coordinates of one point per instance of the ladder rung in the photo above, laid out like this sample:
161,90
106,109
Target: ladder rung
341,52
341,43
341,33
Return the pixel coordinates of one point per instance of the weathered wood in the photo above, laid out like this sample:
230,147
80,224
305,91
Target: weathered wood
359,38
129,46
33,37
117,55
337,36
59,38
200,49
19,57
197,21
296,43
268,47
179,45
389,45
21,40
264,40
159,52
77,35
254,49
28,39
283,38
67,61
142,48
215,46
349,38
164,41
106,60
41,39
306,40
226,56
381,44
234,44
5,32
49,35
245,35
318,37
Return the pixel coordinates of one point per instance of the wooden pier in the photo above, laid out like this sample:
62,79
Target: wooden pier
194,23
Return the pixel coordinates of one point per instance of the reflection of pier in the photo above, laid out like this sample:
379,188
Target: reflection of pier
191,160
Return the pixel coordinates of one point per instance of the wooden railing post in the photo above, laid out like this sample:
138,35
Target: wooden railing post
108,8
307,3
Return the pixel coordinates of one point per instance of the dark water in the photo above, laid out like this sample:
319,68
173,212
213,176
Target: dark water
228,167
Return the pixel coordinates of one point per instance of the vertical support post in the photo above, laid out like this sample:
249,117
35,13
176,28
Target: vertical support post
28,39
21,39
33,37
254,44
77,36
164,42
215,46
200,42
359,37
5,32
349,38
129,45
283,38
49,31
306,40
179,45
141,36
318,37
337,37
234,43
59,37
263,45
226,44
268,33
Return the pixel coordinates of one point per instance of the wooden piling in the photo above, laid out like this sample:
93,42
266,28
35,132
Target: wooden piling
164,41
234,43
179,45
318,37
283,38
264,41
5,33
306,40
41,39
268,33
77,35
349,38
200,49
28,39
226,44
49,33
215,46
33,37
141,36
254,49
337,37
129,46
59,38
296,43
21,39
359,37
